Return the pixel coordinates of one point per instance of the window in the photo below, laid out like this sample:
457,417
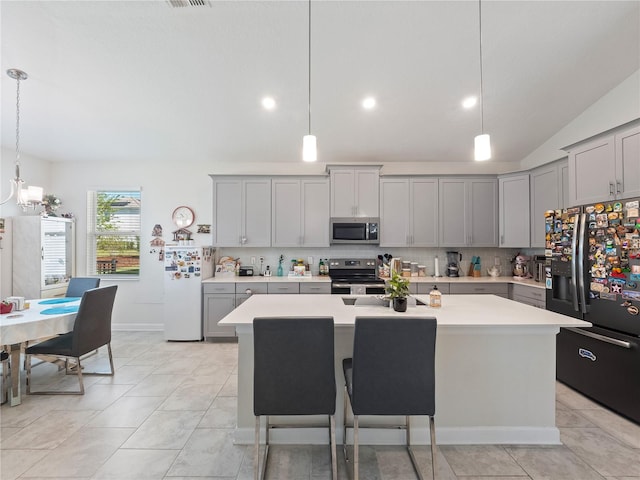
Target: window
113,233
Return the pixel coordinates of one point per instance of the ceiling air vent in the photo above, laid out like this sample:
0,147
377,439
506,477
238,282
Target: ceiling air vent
189,3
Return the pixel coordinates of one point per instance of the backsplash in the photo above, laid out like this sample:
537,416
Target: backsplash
424,256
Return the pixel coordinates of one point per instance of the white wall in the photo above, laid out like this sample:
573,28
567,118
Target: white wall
35,172
621,105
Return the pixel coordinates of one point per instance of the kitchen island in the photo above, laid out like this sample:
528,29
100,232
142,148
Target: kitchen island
495,368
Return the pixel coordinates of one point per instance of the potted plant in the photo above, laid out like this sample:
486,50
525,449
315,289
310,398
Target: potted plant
397,289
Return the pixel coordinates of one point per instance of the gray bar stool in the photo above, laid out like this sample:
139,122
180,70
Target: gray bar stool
293,374
391,373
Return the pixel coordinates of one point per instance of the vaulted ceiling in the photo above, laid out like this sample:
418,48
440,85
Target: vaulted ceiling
144,81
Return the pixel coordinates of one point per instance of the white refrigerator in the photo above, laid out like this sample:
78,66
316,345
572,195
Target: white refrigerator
184,269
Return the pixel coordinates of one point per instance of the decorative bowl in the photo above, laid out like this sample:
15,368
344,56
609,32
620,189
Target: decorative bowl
6,308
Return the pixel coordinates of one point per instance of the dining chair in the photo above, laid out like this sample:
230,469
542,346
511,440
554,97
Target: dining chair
4,359
78,285
293,374
91,330
391,373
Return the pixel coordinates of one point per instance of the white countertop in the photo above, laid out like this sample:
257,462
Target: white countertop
325,279
457,311
272,279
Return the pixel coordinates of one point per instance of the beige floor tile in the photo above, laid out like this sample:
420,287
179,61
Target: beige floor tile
30,410
49,431
209,452
14,463
576,401
178,366
128,375
618,427
604,453
221,413
7,432
156,386
82,454
480,460
137,465
552,463
127,412
192,397
96,397
165,430
573,418
230,389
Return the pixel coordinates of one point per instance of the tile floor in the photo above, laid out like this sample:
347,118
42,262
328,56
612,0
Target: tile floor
161,419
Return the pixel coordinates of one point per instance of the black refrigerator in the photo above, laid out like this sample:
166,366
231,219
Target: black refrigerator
593,273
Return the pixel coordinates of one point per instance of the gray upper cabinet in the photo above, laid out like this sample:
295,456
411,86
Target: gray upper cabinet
241,211
300,212
544,196
354,191
514,210
592,171
563,184
468,212
408,212
628,163
605,168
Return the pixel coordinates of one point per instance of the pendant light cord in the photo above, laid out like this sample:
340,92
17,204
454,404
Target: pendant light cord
18,127
481,82
309,73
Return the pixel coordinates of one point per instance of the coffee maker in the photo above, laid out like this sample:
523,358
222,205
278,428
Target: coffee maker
453,268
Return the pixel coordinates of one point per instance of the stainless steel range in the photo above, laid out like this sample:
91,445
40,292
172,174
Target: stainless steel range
355,276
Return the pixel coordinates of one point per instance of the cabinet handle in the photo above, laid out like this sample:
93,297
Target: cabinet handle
611,187
501,239
479,289
618,187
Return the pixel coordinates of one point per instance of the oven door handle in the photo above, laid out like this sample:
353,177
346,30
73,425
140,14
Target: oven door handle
363,285
602,338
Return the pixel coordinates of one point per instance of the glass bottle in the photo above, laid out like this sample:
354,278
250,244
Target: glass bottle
279,271
435,297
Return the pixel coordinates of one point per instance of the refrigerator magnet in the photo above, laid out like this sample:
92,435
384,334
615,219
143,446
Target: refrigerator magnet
633,310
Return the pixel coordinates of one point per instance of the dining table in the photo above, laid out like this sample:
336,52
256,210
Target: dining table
40,319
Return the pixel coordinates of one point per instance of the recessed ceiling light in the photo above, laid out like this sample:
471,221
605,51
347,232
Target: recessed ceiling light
268,103
369,103
470,102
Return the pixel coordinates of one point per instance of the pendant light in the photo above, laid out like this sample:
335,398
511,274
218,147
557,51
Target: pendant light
25,196
309,146
482,142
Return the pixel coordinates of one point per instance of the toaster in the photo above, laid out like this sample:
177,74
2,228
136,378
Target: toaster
246,272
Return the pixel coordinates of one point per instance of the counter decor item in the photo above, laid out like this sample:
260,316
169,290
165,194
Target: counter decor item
50,203
5,307
435,297
397,289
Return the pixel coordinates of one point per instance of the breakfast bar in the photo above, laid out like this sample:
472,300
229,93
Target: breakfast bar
495,368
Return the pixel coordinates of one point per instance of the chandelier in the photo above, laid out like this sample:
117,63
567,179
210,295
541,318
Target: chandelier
26,196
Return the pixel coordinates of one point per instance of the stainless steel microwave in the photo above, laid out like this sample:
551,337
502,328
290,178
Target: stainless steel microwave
355,230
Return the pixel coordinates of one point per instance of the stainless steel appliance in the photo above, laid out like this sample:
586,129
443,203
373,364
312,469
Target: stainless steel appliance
594,274
355,230
355,276
453,267
539,263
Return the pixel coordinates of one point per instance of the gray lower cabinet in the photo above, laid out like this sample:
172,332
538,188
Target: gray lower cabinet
219,299
533,296
425,288
283,287
315,287
499,289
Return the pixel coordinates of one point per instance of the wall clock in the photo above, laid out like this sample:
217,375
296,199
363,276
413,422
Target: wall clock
183,217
